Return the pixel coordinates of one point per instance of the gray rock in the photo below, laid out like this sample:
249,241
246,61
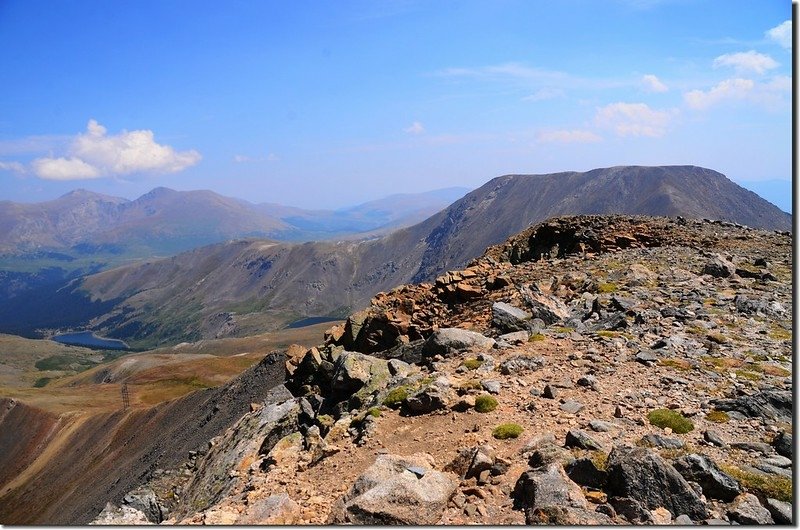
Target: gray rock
549,392
646,357
548,453
547,486
508,318
583,471
662,442
601,426
683,520
781,511
517,337
434,396
714,438
144,500
548,309
521,363
388,493
120,515
779,461
783,444
588,380
398,367
774,470
493,387
644,476
354,370
632,510
450,341
768,404
753,447
719,267
277,509
716,483
582,440
746,509
572,407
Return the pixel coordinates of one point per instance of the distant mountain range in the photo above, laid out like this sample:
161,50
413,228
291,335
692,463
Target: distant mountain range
166,221
241,287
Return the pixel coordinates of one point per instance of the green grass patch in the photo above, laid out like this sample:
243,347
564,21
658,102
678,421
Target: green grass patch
773,486
396,397
472,364
677,364
469,385
485,403
718,416
717,337
607,334
536,337
604,287
747,374
669,418
64,362
507,430
41,382
375,412
778,333
562,329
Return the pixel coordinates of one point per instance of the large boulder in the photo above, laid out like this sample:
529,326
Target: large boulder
548,496
719,267
508,318
745,509
768,404
451,341
716,483
358,377
783,444
396,490
642,475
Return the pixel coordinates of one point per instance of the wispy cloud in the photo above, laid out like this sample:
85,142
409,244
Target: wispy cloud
771,94
782,34
544,94
34,144
14,167
651,83
415,128
633,119
568,136
744,62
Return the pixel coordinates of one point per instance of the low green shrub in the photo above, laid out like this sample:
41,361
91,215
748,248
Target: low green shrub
485,403
507,430
669,418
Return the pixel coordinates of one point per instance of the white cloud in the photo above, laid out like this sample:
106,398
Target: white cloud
633,119
782,34
750,61
415,128
14,167
769,95
96,154
568,136
545,93
652,83
64,169
241,158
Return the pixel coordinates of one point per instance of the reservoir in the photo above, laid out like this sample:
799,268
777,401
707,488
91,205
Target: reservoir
90,340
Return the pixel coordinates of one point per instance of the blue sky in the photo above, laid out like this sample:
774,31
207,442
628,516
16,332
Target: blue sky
327,104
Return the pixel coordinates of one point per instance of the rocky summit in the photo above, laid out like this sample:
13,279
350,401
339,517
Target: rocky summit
590,370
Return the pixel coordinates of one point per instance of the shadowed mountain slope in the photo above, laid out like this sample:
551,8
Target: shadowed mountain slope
241,287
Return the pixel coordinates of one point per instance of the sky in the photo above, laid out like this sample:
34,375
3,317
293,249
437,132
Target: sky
324,104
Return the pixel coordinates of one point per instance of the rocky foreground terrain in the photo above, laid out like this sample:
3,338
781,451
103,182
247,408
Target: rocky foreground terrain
590,370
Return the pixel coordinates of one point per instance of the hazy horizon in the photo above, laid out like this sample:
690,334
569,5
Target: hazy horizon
321,105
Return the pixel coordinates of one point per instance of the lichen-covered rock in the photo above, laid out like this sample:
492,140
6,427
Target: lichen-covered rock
396,490
120,515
